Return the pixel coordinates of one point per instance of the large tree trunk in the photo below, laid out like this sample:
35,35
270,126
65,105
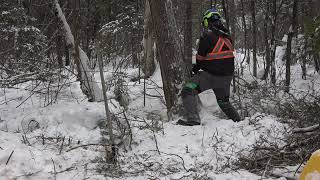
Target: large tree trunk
169,53
148,43
188,35
289,41
88,83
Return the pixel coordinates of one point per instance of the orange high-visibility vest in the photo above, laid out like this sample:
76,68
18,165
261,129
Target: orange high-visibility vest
217,53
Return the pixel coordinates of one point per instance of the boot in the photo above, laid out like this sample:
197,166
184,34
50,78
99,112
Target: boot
190,112
229,110
191,120
187,123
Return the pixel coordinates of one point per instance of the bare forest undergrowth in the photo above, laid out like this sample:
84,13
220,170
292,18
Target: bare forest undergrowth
299,109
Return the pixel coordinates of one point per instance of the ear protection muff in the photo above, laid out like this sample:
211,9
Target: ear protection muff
205,19
205,22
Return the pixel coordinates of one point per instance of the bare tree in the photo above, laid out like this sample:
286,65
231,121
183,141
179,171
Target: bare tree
266,41
244,25
289,41
254,34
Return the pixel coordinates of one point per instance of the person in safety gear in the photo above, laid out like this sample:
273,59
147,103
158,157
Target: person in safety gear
216,60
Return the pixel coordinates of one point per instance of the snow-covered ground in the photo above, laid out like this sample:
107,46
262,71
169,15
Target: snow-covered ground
61,141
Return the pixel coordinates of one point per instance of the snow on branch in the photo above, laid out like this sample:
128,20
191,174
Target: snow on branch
69,36
21,78
89,85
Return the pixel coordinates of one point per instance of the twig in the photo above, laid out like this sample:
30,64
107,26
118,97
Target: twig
9,157
28,174
54,170
183,163
65,170
25,140
154,135
43,139
29,95
265,170
61,147
130,131
85,145
155,139
69,141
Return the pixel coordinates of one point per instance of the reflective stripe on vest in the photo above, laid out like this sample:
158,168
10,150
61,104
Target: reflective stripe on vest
217,53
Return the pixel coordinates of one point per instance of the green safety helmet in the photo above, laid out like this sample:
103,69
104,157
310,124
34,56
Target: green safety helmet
210,15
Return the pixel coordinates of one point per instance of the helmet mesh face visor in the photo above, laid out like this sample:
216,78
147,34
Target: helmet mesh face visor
215,16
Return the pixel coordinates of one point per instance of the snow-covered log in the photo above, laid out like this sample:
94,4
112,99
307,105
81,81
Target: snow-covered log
89,86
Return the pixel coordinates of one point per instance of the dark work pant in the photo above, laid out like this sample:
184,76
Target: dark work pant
202,82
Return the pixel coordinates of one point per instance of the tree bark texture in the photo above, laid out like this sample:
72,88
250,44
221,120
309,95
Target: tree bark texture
188,35
148,43
169,53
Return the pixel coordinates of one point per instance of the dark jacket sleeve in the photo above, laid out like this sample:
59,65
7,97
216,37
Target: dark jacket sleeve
205,45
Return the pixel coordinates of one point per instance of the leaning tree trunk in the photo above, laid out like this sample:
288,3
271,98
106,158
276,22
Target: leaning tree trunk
88,84
289,41
169,53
